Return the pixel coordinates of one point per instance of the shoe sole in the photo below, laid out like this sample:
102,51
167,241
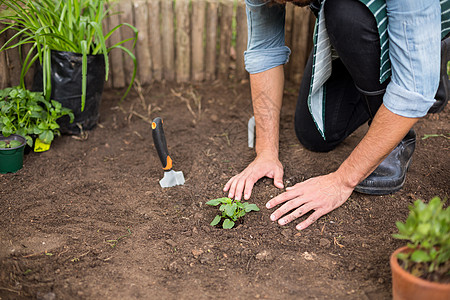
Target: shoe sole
379,191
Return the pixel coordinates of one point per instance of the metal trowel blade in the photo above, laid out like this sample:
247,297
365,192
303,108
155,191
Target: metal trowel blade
172,178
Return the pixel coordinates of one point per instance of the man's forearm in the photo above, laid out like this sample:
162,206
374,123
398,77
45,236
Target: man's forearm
385,132
267,93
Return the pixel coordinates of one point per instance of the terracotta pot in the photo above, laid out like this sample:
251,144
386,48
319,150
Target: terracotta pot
409,287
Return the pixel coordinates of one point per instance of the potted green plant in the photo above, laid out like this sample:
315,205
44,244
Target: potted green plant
11,153
68,43
421,270
29,115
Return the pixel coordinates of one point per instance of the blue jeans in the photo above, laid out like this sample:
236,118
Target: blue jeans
354,92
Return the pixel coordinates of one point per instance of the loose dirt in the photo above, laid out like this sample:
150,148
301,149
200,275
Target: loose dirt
88,219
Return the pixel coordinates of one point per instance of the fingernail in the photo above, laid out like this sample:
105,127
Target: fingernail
282,222
299,227
272,217
246,196
230,195
268,205
289,188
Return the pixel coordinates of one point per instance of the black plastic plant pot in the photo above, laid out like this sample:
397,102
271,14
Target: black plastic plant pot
11,159
66,81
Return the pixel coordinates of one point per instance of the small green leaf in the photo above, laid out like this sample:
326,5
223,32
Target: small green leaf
227,224
216,220
214,202
46,137
230,210
240,213
420,256
240,204
402,256
400,236
14,143
56,104
251,207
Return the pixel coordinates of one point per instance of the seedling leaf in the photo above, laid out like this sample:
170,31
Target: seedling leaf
228,224
420,256
251,207
215,202
216,220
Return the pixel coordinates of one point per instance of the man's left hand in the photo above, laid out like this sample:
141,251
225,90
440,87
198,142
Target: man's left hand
321,194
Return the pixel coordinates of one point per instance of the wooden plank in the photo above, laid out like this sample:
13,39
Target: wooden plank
288,33
126,16
198,34
168,39
116,55
29,76
13,60
211,39
300,36
312,24
4,72
241,40
183,49
226,18
155,38
142,47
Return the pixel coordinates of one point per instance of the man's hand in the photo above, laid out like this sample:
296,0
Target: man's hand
267,94
264,165
326,193
321,194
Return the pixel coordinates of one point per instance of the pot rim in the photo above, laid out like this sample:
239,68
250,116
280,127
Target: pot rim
416,280
16,137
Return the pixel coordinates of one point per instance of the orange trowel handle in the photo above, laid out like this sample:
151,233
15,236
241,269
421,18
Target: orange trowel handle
160,143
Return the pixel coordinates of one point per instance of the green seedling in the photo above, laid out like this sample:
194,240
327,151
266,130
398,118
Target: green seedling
426,136
9,144
427,229
231,210
113,243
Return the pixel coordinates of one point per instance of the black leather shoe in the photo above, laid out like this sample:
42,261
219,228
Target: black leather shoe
390,175
443,92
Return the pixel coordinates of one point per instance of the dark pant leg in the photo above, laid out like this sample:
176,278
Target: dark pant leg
344,111
353,92
353,32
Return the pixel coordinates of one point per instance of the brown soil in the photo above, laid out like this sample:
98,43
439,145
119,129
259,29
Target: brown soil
88,219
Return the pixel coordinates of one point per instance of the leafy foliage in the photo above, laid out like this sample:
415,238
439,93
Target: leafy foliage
9,144
428,230
28,113
71,25
231,210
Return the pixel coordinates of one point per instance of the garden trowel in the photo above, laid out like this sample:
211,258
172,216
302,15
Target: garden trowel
171,178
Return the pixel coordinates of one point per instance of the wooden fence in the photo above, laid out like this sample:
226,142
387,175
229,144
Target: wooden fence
183,41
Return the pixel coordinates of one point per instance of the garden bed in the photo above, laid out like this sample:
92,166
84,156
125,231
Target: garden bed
88,219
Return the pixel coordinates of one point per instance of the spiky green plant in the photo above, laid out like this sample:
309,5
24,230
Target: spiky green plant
70,25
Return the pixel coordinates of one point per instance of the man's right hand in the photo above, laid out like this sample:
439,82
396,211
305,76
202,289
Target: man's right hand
264,165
